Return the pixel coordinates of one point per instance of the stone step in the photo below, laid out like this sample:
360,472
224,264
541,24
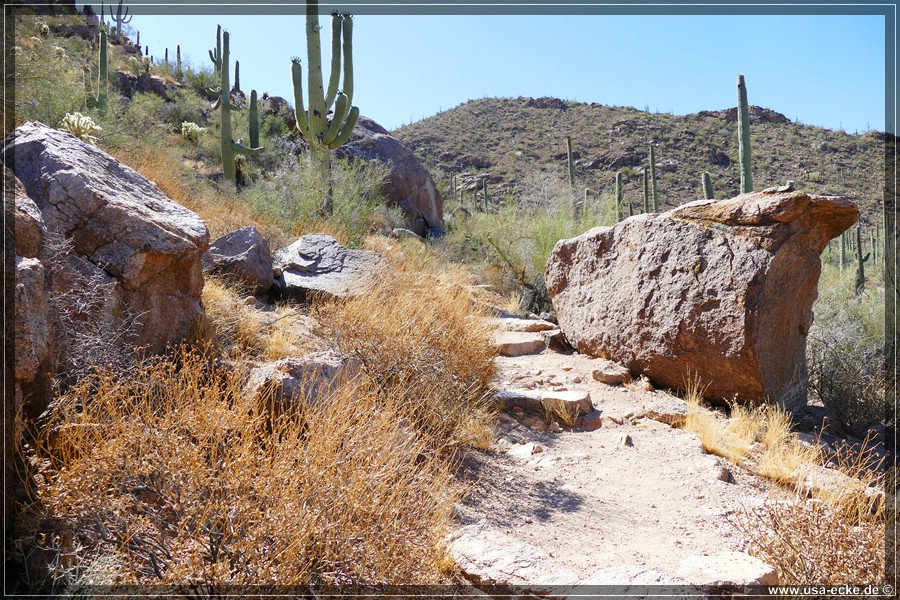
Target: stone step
519,343
522,325
575,403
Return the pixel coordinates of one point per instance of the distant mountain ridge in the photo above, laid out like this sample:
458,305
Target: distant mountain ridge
503,139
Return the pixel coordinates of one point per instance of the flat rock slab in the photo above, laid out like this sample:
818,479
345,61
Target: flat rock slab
317,264
727,569
672,411
574,402
522,325
488,556
518,343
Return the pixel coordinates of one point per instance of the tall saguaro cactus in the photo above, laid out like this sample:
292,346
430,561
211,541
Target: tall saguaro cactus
860,260
620,210
216,55
653,179
324,136
98,101
570,162
253,117
646,193
121,20
744,136
229,148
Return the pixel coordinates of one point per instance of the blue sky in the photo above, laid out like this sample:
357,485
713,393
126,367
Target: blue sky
823,70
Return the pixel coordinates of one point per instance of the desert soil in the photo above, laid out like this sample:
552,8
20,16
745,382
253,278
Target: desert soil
588,508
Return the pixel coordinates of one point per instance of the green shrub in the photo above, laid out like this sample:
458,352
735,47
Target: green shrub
47,85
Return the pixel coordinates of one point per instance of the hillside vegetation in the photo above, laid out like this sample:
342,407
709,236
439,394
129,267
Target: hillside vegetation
505,139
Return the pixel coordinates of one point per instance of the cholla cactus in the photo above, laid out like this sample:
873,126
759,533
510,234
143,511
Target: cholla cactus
80,126
191,131
44,29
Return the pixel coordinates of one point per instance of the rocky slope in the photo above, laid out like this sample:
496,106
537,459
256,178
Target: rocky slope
507,138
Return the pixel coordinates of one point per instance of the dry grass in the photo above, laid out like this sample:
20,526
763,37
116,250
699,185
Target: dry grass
235,330
174,476
832,529
222,213
422,334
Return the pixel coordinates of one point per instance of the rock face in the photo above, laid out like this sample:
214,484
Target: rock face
118,224
244,256
318,264
409,185
720,290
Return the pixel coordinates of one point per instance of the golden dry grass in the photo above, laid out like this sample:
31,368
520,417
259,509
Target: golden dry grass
236,330
175,476
422,334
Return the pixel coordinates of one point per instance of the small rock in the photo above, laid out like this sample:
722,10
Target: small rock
591,421
626,440
506,419
555,427
522,325
538,449
555,340
566,367
576,379
250,301
724,475
611,373
672,411
514,343
522,450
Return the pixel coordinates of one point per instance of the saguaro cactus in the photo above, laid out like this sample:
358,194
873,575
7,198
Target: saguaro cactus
744,136
843,255
216,55
237,77
229,148
646,193
324,136
179,73
653,179
707,187
253,117
121,20
620,210
98,101
570,161
860,260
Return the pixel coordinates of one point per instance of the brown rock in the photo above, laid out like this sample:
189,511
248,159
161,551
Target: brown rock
515,343
409,184
244,256
33,336
522,325
720,290
120,221
672,411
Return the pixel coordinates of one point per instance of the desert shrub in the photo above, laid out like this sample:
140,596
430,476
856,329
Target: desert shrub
201,80
185,107
179,478
846,351
422,336
47,85
288,197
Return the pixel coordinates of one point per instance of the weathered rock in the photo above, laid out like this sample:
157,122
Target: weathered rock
244,256
130,85
672,411
119,221
720,290
489,556
611,373
574,403
409,185
518,343
555,340
727,569
30,230
522,325
301,379
33,336
317,264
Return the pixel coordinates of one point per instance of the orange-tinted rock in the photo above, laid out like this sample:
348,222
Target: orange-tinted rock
720,290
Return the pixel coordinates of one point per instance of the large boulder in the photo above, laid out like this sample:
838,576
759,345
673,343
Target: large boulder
119,224
317,265
242,256
716,290
409,185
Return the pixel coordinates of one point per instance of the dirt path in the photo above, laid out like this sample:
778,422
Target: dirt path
588,507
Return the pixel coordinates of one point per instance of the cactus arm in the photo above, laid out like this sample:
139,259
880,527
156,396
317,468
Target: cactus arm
240,148
341,110
299,110
345,132
744,136
216,56
314,75
646,192
217,103
335,59
237,76
655,192
90,99
348,56
253,118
